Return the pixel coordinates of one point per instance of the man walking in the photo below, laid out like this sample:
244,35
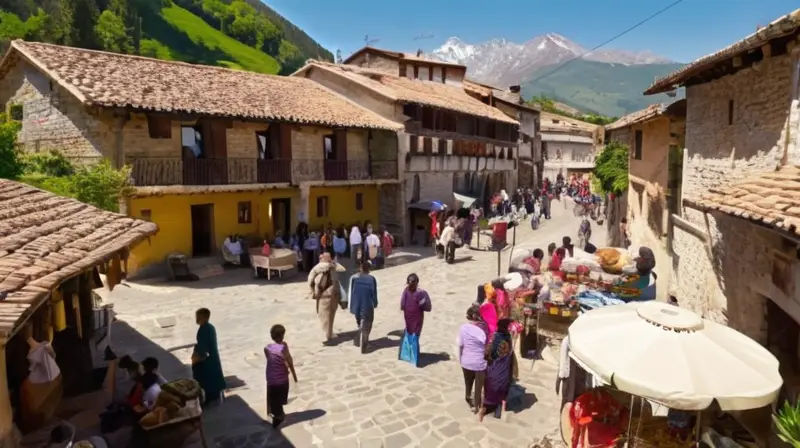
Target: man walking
355,244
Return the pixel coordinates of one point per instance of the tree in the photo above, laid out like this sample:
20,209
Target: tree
10,164
101,185
11,26
112,34
611,168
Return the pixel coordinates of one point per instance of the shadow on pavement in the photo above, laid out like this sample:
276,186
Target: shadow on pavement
345,336
232,418
382,343
428,359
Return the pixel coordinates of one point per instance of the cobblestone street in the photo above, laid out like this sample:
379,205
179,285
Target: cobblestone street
344,398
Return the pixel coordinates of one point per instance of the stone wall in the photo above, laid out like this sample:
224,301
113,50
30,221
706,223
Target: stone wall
53,119
723,264
374,61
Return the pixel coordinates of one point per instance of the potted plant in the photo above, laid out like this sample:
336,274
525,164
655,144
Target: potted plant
787,422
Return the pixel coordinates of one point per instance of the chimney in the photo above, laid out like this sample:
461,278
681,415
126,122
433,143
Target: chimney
419,52
514,89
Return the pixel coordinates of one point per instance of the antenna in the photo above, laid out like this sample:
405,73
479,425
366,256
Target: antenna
368,41
424,36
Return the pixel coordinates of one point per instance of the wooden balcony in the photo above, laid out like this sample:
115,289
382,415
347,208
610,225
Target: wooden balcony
175,171
335,169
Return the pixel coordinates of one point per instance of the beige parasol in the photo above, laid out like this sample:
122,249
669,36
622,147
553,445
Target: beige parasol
673,356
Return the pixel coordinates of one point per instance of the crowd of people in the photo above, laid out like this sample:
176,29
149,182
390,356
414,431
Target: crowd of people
360,243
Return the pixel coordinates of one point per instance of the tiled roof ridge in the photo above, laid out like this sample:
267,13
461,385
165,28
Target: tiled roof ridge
667,82
273,98
17,42
652,110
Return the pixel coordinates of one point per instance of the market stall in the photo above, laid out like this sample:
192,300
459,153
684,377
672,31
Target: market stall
703,372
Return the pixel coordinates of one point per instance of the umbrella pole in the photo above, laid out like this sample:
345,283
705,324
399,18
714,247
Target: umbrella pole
630,420
513,245
697,429
498,261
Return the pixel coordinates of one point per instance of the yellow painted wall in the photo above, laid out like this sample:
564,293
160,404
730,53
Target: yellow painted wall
342,206
172,213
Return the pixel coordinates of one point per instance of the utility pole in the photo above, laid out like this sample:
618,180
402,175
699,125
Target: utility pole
422,37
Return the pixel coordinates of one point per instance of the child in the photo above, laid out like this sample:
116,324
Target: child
279,364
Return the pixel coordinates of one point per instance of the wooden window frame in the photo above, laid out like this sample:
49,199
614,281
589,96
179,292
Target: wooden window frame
332,137
269,152
413,144
16,111
359,201
322,206
730,112
159,127
442,147
638,142
244,212
146,214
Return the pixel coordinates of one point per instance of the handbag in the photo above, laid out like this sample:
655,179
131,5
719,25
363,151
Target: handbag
409,349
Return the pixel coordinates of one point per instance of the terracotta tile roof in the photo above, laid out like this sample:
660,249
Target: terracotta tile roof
46,239
400,55
396,88
782,26
548,121
772,198
115,80
640,116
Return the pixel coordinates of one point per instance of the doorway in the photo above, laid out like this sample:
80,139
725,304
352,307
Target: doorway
282,215
202,230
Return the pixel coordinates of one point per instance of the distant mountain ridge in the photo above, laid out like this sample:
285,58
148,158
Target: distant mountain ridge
504,63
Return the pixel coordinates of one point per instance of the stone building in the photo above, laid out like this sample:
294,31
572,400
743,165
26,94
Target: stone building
451,142
655,138
213,151
735,235
530,144
569,146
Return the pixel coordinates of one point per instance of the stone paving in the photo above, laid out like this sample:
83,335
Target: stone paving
344,398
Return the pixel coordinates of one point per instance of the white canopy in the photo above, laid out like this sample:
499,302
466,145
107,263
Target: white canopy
673,356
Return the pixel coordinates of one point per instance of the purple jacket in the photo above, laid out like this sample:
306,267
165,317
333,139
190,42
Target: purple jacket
414,306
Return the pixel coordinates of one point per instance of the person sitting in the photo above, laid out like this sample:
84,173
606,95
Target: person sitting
643,281
279,242
232,250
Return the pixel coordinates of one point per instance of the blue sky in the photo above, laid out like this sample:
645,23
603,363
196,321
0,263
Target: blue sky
689,30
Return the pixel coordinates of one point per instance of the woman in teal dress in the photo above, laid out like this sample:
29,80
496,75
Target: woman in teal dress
206,365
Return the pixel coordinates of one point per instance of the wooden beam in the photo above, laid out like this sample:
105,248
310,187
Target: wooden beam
766,50
6,416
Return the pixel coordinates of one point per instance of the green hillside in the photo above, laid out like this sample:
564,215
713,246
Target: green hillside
596,87
206,45
241,34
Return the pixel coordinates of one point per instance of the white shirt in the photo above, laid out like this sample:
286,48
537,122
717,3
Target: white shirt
150,396
447,235
234,248
355,236
373,240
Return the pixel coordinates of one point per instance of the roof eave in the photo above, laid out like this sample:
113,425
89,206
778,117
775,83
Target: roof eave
18,46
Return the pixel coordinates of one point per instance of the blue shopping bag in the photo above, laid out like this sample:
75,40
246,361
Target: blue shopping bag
409,348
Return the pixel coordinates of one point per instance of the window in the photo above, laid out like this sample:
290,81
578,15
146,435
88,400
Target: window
415,189
427,145
730,112
637,146
192,140
159,127
322,206
245,215
329,146
265,149
442,147
413,143
16,112
146,215
359,201
403,70
427,118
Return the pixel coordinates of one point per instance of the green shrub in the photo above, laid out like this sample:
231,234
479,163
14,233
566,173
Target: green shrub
10,165
50,163
101,185
787,421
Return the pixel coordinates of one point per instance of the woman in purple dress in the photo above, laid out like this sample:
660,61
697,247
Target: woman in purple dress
500,369
414,303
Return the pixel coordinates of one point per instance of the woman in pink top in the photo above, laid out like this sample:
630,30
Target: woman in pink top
279,364
489,309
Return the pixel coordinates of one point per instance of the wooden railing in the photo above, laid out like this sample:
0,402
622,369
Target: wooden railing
175,171
274,171
335,170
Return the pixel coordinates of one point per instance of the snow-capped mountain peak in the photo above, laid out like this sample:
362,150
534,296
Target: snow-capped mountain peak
503,62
